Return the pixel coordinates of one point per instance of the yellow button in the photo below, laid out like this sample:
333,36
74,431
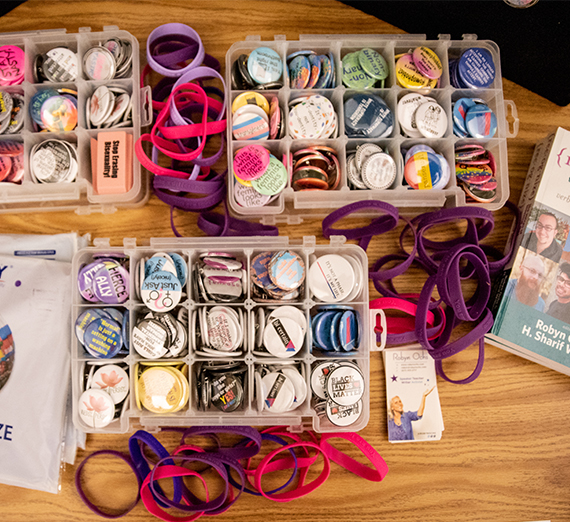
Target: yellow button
407,74
163,389
252,98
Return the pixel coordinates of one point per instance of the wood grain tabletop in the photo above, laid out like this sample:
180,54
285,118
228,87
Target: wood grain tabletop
504,455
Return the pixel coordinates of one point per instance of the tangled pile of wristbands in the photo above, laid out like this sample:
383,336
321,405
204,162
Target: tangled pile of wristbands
447,264
233,466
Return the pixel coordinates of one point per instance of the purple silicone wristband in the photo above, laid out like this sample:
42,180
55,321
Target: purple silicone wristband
90,504
173,31
221,225
235,452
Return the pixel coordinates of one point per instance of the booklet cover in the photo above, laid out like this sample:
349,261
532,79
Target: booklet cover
414,411
531,301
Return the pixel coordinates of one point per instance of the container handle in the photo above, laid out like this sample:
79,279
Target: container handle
374,347
146,106
515,124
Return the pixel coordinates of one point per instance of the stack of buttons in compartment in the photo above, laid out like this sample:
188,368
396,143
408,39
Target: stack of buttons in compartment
279,331
338,388
315,168
280,387
364,69
473,118
259,175
105,393
11,161
12,65
421,116
103,332
312,117
474,69
277,275
12,107
262,69
109,106
221,385
333,278
112,59
420,68
475,168
367,116
370,167
308,70
425,169
256,117
219,277
336,328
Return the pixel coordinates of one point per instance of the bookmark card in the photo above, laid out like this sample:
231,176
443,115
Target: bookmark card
414,410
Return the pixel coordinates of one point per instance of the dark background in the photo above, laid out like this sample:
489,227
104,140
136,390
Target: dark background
534,42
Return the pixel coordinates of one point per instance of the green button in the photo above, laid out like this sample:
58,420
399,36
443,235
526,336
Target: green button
353,75
373,64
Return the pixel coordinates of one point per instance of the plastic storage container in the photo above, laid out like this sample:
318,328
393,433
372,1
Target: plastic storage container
304,417
79,195
291,207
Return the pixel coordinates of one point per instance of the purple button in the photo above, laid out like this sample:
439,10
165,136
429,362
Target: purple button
111,283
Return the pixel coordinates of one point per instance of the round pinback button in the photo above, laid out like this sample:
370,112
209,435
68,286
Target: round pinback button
99,64
373,63
113,380
423,170
431,120
319,377
378,171
111,283
286,270
226,392
224,329
273,180
248,126
298,383
481,121
283,337
343,416
299,72
408,75
368,116
163,389
150,339
331,278
103,338
250,98
60,65
345,385
353,75
476,68
251,162
161,291
427,62
264,65
96,408
278,392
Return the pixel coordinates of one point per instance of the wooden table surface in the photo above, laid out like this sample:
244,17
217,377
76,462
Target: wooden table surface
506,446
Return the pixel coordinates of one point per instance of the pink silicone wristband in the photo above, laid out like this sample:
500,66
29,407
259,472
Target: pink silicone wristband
300,491
380,467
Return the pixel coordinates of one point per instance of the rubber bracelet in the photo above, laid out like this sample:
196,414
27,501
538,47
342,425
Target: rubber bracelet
476,372
215,224
301,491
248,471
342,459
236,452
169,472
389,290
174,31
377,225
213,460
140,462
97,510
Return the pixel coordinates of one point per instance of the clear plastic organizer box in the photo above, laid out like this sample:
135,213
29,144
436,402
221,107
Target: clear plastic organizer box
79,195
304,416
291,207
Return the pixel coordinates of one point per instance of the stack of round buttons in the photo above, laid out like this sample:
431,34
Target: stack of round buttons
472,117
12,65
256,117
315,168
161,388
12,112
262,69
370,167
425,169
221,385
367,116
475,169
312,117
54,110
57,65
106,388
161,335
280,332
421,116
420,68
103,332
309,70
338,388
336,328
109,106
334,278
475,69
217,331
260,176
53,161
104,280
219,277
277,275
11,161
364,69
113,59
280,388
160,281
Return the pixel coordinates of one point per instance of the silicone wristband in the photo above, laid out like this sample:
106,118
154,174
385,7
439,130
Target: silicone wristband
169,472
389,290
209,506
236,452
342,459
300,491
248,471
173,31
215,224
97,510
140,462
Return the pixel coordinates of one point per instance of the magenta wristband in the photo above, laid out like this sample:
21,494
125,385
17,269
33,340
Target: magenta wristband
342,459
90,504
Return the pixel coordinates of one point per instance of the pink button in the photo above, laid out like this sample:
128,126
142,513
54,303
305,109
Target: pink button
11,64
251,162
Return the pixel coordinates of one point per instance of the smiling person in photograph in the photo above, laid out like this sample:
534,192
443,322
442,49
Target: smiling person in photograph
543,239
560,309
526,289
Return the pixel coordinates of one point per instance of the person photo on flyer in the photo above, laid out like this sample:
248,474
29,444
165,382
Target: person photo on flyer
400,421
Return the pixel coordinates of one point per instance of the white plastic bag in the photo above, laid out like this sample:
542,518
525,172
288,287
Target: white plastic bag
35,307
